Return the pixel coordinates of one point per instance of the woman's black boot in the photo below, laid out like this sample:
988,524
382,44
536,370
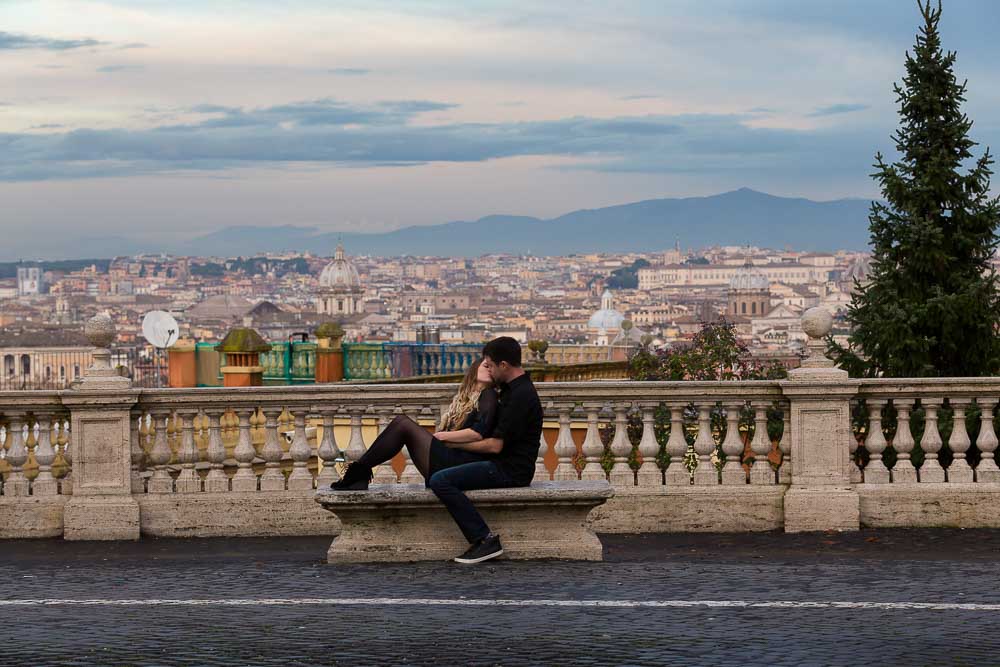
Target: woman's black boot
356,478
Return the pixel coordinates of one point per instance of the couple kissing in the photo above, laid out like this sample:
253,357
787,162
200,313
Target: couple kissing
488,438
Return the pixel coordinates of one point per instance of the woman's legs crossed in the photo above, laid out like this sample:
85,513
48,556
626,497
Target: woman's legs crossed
401,431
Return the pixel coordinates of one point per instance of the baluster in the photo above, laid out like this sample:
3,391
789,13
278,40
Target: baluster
245,479
987,470
621,447
677,473
785,445
300,451
216,481
875,472
137,454
272,479
541,470
188,480
853,469
903,472
704,444
384,473
17,455
161,482
356,445
66,483
733,473
649,473
761,472
931,471
593,448
565,445
328,453
45,484
959,472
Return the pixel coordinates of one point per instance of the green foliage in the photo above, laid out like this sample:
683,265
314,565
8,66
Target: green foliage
257,266
211,269
627,277
715,353
9,269
932,306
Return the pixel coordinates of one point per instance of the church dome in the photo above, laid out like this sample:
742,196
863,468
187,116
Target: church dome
607,318
749,278
339,273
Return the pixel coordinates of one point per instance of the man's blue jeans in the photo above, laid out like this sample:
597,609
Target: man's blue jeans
448,485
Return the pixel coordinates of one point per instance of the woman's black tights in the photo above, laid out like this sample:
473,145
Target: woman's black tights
401,431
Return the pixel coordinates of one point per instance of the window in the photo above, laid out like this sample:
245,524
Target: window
8,365
743,307
25,365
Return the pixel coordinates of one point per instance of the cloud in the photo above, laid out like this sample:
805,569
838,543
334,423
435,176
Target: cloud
835,109
111,69
762,110
319,112
350,71
337,133
47,126
134,45
17,41
630,98
51,66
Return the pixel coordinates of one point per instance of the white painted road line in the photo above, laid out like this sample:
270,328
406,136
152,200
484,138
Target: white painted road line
463,602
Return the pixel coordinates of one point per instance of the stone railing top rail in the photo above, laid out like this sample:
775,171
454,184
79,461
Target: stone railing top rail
27,401
887,388
357,395
350,395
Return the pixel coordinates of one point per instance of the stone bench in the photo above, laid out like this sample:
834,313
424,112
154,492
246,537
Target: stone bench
406,522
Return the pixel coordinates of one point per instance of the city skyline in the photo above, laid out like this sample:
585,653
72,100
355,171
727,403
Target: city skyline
162,120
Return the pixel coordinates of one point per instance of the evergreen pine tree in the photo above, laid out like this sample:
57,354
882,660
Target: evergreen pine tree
931,306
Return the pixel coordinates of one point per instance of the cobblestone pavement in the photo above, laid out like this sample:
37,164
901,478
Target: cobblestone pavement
455,622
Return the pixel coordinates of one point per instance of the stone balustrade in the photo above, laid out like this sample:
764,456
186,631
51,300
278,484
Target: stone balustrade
681,456
817,451
35,463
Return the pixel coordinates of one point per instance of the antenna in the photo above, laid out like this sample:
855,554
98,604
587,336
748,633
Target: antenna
160,329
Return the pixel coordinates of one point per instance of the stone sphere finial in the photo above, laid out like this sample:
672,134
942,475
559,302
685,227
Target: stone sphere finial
100,330
817,322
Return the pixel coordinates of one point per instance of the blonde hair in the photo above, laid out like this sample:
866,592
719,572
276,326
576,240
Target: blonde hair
465,401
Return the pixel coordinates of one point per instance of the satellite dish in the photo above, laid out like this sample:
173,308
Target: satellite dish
160,329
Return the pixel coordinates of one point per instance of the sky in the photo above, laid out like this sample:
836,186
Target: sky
156,120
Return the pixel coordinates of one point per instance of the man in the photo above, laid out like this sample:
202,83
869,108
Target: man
505,459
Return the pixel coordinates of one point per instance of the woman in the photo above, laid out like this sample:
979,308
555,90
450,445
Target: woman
471,416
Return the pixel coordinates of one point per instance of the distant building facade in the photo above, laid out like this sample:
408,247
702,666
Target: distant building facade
340,290
30,281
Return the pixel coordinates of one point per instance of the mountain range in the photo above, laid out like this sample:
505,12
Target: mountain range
732,218
739,217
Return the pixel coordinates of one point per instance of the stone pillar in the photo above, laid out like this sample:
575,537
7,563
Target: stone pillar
102,507
821,496
182,368
329,353
243,347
